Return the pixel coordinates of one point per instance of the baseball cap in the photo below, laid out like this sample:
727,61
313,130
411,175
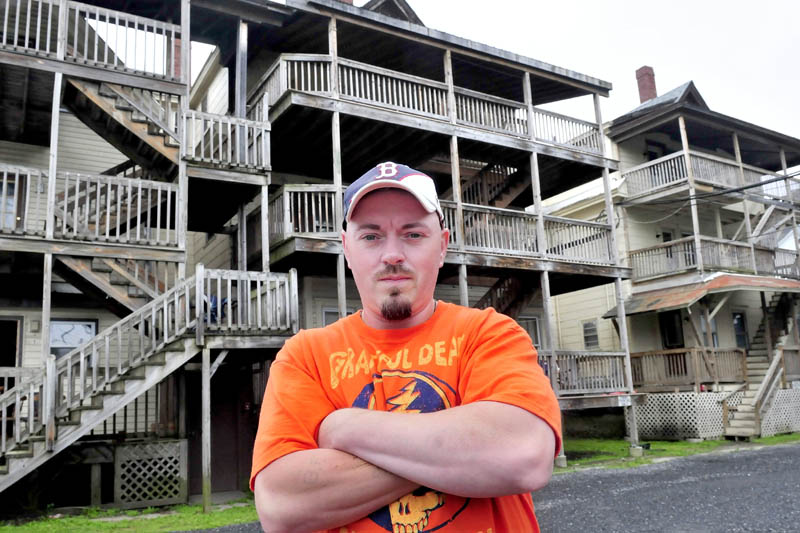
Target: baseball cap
396,176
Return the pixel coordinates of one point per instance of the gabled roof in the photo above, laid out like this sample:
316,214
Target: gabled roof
398,9
684,94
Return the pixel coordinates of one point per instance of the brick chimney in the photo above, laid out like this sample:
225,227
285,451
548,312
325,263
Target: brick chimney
646,79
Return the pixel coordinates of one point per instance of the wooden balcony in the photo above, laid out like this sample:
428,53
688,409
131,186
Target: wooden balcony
308,211
678,256
399,92
88,208
585,373
226,142
687,368
662,174
92,36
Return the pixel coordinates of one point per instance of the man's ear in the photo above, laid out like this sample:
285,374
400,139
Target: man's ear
344,247
445,241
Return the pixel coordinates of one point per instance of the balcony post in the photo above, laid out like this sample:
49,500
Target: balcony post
692,192
614,254
745,204
455,172
451,90
341,288
333,51
536,187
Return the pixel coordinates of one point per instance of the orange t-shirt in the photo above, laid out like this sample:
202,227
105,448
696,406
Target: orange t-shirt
458,356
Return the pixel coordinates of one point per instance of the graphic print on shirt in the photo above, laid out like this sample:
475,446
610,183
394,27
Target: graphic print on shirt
412,392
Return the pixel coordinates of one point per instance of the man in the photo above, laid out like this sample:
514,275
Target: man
412,414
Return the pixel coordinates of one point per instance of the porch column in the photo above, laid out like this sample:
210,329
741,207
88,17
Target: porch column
718,223
549,341
745,204
265,225
205,408
241,239
711,360
698,252
618,290
181,214
767,329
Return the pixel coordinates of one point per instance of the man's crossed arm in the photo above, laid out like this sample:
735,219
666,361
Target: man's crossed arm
368,459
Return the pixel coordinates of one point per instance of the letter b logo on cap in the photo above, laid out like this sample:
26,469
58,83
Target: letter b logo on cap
387,170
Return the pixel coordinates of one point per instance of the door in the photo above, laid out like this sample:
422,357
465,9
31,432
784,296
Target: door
10,348
740,330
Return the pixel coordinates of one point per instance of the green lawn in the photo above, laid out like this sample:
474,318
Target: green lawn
581,453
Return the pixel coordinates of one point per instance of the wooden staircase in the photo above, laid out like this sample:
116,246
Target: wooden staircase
140,124
509,295
745,419
44,413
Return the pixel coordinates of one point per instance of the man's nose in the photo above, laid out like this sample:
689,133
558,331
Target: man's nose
393,251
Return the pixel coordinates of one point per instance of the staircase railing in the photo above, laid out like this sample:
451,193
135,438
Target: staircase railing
160,108
20,407
768,388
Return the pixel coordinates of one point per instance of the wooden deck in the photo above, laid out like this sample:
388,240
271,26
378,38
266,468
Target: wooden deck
668,172
678,256
384,90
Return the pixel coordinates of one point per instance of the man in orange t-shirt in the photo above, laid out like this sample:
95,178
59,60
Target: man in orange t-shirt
412,414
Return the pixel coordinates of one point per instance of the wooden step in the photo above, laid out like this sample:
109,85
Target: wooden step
740,432
744,416
22,453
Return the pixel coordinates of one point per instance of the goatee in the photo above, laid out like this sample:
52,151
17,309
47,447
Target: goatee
396,309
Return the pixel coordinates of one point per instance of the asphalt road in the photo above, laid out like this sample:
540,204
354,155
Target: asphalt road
748,490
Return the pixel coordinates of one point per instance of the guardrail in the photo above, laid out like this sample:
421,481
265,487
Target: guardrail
308,210
225,141
688,367
585,372
369,84
578,240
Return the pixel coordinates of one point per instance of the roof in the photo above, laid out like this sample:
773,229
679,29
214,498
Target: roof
686,93
686,295
394,8
588,82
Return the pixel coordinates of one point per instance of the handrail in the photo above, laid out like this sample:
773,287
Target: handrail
652,163
663,245
767,387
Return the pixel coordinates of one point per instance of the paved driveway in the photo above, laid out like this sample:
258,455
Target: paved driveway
752,489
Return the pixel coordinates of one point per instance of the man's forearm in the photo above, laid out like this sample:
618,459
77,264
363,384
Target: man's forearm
484,449
322,489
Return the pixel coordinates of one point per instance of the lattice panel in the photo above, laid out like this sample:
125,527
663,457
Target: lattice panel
153,473
682,415
783,416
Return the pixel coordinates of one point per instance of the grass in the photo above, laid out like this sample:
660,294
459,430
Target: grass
178,518
615,453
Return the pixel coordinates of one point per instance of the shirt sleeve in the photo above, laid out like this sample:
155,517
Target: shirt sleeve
502,366
294,406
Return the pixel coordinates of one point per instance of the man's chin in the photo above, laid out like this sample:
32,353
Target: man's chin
396,308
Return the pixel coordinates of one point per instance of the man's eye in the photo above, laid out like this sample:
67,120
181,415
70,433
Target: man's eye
414,235
370,237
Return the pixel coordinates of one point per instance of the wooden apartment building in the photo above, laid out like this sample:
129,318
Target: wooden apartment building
155,233
708,208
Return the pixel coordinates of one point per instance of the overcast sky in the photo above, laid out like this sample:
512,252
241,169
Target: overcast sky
744,57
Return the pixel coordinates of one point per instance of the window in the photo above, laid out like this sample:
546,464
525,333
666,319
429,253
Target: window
66,335
669,323
714,337
531,325
590,339
331,314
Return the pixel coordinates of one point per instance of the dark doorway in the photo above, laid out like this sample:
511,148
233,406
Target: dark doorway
234,422
671,327
10,341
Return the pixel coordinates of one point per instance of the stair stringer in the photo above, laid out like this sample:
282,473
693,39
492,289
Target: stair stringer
177,354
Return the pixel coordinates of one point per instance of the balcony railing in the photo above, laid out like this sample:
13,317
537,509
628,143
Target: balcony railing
368,84
708,170
93,36
688,367
225,141
584,372
678,256
89,207
309,211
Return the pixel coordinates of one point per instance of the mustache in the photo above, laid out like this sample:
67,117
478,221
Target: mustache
393,270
